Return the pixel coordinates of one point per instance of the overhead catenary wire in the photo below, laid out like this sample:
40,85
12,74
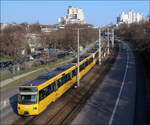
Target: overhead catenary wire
78,49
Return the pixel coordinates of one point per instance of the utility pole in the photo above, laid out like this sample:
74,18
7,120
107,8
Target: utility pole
78,59
108,52
100,54
112,37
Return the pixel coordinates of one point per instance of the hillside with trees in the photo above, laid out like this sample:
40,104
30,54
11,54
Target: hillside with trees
138,34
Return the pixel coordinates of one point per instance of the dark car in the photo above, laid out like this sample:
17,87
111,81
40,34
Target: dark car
26,59
92,51
60,55
67,53
1,64
35,56
20,60
5,64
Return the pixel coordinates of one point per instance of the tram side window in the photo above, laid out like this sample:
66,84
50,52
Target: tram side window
63,79
74,72
45,92
68,77
50,88
82,67
90,60
59,82
86,63
42,95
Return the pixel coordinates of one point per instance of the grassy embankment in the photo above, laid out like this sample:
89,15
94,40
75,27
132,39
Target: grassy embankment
43,68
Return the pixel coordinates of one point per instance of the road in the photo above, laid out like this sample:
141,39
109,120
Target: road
121,98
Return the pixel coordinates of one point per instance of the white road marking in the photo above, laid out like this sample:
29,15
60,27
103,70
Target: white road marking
117,102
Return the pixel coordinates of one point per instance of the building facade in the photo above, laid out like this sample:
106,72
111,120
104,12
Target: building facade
74,15
129,18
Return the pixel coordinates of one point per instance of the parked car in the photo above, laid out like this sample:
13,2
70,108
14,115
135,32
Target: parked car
31,58
67,53
35,56
5,64
1,64
40,54
20,60
26,59
46,54
60,55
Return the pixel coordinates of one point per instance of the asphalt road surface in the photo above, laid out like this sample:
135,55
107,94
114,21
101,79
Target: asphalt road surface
121,98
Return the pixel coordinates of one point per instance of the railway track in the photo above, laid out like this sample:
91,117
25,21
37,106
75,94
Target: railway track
63,111
75,104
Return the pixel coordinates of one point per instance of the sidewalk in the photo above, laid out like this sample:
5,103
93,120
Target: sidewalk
7,81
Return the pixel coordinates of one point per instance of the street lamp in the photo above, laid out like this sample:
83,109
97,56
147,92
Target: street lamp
78,53
108,51
100,59
112,37
78,50
78,58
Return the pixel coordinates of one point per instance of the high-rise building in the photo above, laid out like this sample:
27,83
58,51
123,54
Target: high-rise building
74,15
129,18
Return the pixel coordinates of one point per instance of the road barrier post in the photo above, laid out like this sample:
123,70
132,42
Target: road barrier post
100,53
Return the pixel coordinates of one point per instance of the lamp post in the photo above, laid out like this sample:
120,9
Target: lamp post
100,54
78,53
112,37
108,52
78,59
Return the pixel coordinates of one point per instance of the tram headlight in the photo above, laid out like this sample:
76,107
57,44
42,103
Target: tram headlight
34,108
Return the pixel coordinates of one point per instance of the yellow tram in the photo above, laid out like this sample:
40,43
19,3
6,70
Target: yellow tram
35,96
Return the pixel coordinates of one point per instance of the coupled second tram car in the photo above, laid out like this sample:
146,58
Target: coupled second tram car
35,96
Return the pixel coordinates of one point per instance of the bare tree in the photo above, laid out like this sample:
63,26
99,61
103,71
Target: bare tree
35,28
12,40
66,38
138,34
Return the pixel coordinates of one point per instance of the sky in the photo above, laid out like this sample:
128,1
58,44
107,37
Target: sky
98,13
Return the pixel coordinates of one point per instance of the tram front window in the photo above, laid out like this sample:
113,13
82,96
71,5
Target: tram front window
27,99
